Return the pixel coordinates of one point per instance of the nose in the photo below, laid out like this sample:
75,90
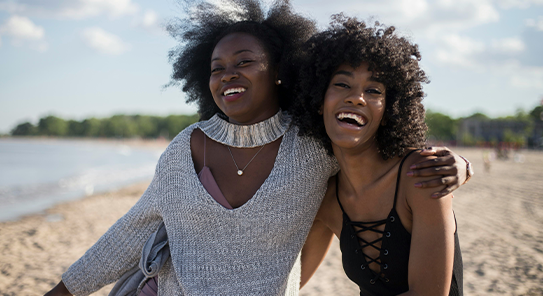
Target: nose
229,75
356,99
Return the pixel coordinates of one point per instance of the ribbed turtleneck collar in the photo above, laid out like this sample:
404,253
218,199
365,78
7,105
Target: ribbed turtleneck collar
246,136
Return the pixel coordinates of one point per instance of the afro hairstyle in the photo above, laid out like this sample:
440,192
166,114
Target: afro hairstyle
281,32
393,61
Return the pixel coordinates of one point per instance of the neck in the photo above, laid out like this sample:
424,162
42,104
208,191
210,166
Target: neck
252,119
360,167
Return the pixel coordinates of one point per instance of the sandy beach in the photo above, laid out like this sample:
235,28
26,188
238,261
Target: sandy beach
499,214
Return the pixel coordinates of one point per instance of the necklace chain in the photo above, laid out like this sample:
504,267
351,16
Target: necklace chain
240,172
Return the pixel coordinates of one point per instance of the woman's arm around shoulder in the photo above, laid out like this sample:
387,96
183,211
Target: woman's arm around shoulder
319,239
432,237
447,168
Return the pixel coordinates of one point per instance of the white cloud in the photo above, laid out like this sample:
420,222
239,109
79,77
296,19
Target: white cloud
497,57
104,42
508,45
150,19
538,24
20,27
23,31
459,51
72,9
507,4
423,17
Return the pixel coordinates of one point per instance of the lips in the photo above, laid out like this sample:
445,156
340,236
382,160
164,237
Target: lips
352,119
231,93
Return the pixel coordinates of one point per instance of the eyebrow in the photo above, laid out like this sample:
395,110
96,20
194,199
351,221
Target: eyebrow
235,53
350,74
343,72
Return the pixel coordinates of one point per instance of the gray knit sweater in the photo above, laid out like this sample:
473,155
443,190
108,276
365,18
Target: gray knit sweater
250,250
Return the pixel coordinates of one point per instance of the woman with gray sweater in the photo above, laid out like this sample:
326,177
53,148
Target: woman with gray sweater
238,191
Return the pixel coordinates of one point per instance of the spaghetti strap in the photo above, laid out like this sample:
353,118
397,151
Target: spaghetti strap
399,175
337,195
205,150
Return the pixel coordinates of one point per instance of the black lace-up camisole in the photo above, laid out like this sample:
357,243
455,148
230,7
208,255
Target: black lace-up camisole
393,253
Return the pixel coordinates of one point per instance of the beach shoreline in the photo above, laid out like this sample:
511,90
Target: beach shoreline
159,143
39,172
499,213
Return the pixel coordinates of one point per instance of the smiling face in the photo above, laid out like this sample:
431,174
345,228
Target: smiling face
242,80
353,107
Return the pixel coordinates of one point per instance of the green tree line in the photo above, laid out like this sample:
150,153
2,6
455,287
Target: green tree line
442,127
117,126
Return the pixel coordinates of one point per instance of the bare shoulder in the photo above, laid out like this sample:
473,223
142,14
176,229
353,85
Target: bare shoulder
197,139
408,184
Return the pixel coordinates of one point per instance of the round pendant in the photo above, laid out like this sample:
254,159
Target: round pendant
240,172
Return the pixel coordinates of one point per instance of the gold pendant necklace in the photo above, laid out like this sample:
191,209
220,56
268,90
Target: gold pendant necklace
240,172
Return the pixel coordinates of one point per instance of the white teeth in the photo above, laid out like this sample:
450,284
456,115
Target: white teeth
234,90
359,119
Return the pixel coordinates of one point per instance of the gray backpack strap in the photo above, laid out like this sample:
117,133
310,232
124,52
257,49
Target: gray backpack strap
154,254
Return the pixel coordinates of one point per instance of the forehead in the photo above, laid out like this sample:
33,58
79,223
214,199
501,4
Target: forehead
236,43
361,72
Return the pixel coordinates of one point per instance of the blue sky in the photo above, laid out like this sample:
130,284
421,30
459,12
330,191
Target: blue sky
82,58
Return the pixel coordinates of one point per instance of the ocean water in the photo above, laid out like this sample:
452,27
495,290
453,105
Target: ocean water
36,174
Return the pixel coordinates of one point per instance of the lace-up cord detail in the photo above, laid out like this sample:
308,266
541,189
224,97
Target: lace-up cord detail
360,227
371,226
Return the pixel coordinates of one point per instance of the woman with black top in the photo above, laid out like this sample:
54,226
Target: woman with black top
365,107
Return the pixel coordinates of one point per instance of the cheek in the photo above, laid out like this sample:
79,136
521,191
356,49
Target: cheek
380,110
212,83
326,108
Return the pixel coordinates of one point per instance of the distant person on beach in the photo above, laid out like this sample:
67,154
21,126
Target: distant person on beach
366,108
238,191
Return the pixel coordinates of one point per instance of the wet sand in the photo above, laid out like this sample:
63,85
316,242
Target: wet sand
499,213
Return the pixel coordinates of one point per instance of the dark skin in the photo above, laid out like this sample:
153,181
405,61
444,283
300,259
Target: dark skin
236,189
367,185
239,60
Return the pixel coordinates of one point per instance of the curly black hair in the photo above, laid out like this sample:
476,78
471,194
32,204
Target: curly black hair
281,32
393,61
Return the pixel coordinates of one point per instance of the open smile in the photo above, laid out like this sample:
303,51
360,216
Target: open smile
233,93
351,120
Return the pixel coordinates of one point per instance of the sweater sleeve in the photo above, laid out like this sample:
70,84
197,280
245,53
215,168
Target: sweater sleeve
119,249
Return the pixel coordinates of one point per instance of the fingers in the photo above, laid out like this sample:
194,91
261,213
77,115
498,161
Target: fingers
436,151
439,161
445,170
428,151
448,180
451,182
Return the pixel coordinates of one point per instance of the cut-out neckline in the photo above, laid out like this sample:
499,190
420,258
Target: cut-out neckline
210,184
371,226
257,195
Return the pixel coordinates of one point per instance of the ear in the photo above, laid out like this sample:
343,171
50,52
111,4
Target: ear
276,79
321,110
